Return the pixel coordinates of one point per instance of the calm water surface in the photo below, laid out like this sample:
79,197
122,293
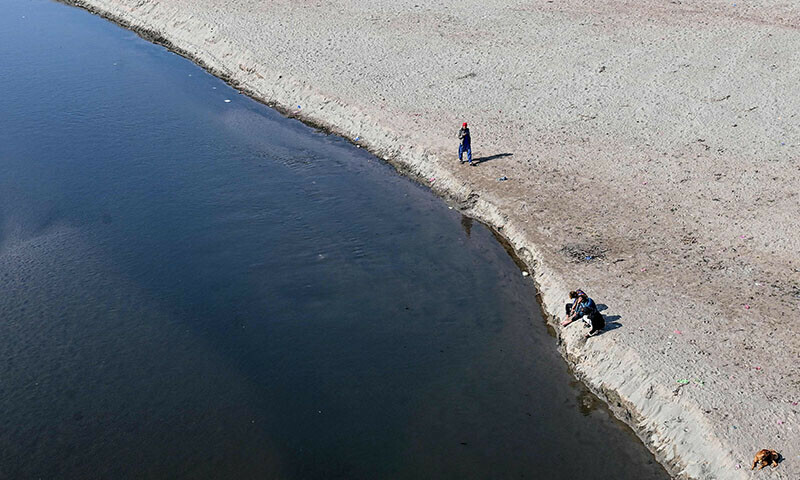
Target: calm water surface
200,289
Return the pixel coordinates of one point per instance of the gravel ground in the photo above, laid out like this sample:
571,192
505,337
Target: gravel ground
651,151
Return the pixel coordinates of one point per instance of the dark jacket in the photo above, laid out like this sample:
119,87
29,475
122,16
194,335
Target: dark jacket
586,308
463,135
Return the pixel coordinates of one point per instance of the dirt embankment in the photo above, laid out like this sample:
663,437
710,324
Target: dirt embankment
651,151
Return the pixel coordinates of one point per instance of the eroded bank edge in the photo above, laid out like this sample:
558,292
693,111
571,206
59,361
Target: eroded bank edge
418,166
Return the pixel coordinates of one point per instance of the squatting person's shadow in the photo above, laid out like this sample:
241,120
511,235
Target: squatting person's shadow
612,321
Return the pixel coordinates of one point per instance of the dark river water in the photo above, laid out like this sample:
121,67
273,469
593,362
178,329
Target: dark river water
191,288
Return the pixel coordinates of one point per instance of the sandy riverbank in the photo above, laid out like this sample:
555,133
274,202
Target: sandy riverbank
652,156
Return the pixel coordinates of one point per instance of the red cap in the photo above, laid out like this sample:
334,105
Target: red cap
464,124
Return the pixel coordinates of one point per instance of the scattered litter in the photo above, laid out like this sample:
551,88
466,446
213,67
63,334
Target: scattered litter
587,257
432,180
644,183
682,381
502,179
525,274
450,208
298,107
227,101
747,306
738,466
742,236
357,138
794,403
644,269
699,382
678,332
758,368
780,422
386,158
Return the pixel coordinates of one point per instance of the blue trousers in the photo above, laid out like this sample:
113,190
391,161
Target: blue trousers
465,148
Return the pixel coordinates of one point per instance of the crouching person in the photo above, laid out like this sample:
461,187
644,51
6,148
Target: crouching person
573,302
584,307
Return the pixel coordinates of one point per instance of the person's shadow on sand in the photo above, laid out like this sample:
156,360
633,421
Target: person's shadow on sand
479,160
612,321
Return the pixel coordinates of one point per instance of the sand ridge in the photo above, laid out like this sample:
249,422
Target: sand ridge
651,150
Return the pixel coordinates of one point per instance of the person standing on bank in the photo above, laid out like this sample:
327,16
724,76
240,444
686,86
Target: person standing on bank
465,145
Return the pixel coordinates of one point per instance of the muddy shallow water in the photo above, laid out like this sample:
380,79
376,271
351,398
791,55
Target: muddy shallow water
201,289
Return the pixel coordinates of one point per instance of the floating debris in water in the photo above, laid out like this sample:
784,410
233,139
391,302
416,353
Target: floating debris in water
227,101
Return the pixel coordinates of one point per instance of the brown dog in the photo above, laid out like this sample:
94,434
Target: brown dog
766,457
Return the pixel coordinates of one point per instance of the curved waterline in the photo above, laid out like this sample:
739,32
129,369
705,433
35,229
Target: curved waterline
169,340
